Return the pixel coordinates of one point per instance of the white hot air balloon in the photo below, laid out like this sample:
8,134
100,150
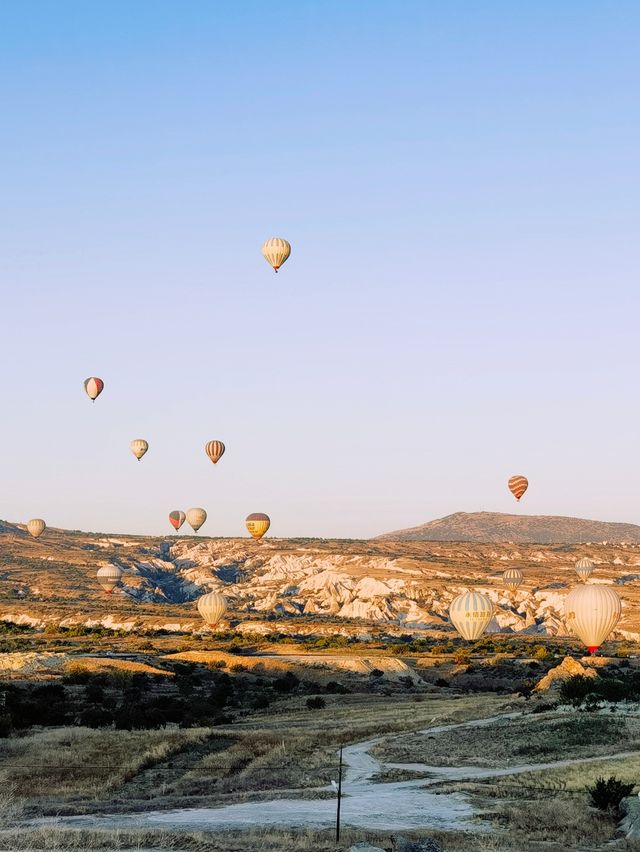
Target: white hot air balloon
139,447
591,613
108,577
196,518
470,613
212,607
275,251
512,578
36,527
584,568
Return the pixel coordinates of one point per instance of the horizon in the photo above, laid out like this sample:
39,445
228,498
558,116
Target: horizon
459,187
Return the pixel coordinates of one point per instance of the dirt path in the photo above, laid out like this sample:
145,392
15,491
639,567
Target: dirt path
366,804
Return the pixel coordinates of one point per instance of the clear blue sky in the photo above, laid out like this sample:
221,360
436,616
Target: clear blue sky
460,183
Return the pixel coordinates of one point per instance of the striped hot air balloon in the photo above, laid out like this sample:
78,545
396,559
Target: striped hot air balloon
108,577
94,387
36,527
512,578
196,518
212,607
470,613
591,613
257,524
276,251
215,450
177,518
518,485
139,447
584,568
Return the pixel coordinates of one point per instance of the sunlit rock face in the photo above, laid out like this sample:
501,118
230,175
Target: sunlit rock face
321,585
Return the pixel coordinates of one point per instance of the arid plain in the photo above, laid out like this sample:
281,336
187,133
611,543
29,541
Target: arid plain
128,724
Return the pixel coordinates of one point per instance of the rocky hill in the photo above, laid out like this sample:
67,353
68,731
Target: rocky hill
531,529
297,585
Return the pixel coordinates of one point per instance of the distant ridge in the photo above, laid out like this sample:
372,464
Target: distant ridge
525,529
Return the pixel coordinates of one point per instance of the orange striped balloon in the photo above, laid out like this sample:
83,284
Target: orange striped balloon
215,450
518,485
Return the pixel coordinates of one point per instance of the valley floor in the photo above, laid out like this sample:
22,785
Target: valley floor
161,789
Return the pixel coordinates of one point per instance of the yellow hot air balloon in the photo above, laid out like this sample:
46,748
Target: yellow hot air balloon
257,524
470,613
139,447
108,577
518,485
276,251
512,578
36,527
591,613
212,607
584,568
215,450
196,518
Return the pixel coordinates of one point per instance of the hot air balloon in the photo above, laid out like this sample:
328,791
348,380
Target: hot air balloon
518,485
177,518
196,518
470,613
584,568
93,387
212,607
512,578
591,613
257,524
108,577
139,447
36,527
215,450
276,251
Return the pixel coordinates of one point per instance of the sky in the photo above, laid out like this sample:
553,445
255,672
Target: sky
460,185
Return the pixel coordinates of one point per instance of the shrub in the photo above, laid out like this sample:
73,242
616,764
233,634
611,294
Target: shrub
462,657
441,682
6,726
607,795
377,673
316,703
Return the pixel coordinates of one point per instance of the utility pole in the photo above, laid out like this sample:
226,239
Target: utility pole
339,798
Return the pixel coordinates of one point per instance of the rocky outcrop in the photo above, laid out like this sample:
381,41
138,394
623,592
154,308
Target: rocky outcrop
566,669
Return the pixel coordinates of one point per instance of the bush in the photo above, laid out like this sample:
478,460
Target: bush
377,673
462,657
316,703
6,726
607,795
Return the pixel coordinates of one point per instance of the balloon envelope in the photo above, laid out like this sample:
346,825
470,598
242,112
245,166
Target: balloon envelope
212,607
518,485
257,524
196,518
512,578
94,387
470,613
139,447
275,251
108,577
584,568
215,450
591,613
36,527
177,518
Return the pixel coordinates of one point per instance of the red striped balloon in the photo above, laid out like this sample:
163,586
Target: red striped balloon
518,485
215,450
